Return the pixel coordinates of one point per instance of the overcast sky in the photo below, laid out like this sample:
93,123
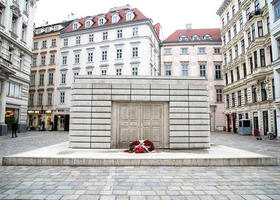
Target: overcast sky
172,15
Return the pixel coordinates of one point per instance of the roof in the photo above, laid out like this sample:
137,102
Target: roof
108,16
215,34
63,24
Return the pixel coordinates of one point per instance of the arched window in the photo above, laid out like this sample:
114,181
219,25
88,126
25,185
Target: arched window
195,37
207,37
183,38
129,16
115,18
101,21
88,23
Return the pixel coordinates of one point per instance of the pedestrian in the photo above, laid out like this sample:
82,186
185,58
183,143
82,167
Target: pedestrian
14,128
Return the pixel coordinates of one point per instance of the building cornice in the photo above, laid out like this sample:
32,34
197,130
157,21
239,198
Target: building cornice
186,43
223,7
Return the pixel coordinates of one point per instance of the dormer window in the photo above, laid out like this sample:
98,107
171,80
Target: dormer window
75,26
183,38
101,20
207,37
48,29
56,28
88,23
195,37
129,16
115,18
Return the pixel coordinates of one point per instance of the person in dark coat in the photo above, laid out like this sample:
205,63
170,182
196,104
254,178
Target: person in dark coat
14,128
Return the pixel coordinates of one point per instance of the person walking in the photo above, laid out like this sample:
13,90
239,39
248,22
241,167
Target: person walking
14,128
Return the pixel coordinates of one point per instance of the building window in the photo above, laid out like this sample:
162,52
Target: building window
76,73
134,70
103,72
41,80
202,70
168,70
276,8
253,32
247,14
35,45
167,51
77,59
184,51
44,44
50,78
257,5
251,64
225,58
230,55
2,10
234,30
233,10
268,24
119,33
236,51
135,32
75,26
118,71
227,100
241,23
65,42
239,97
119,53
254,94
223,22
53,42
14,24
49,98
227,17
105,35
201,50
237,73
34,62
273,89
229,35
101,21
52,59
243,46
63,78
43,60
90,57
90,38
185,69
244,70
64,60
225,41
32,79
62,97
256,59
231,75
217,50
104,55
262,56
78,40
233,99
226,75
31,99
40,99
219,95
245,96
249,37
263,91
129,16
89,73
218,72
135,52
260,28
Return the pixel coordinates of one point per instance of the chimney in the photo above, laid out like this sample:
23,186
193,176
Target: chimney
189,26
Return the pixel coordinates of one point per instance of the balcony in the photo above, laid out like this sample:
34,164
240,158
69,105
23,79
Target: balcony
6,67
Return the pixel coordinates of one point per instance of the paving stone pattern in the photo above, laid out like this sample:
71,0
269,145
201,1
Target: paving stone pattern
195,183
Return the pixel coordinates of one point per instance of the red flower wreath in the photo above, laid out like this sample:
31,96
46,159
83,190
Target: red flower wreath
141,146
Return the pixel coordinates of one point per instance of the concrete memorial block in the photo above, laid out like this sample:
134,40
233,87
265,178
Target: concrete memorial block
110,112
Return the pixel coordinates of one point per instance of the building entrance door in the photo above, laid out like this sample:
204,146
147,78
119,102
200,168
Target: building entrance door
265,122
140,121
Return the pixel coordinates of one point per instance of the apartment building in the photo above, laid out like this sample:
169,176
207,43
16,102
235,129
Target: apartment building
16,34
44,78
197,53
247,59
121,42
274,16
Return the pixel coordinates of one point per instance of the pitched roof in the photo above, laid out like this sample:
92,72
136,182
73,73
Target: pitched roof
215,33
108,16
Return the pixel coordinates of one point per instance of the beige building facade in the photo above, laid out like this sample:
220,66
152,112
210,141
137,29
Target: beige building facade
44,79
197,53
247,55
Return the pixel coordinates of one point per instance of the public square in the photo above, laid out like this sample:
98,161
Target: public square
205,183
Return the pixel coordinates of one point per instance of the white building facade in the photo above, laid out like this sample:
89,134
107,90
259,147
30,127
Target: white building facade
120,42
247,58
197,53
16,34
274,16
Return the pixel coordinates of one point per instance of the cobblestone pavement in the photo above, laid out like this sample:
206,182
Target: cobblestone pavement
195,183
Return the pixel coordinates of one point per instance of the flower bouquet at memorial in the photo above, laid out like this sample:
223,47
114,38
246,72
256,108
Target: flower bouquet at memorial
141,146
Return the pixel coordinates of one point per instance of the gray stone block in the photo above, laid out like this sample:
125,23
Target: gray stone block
3,129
